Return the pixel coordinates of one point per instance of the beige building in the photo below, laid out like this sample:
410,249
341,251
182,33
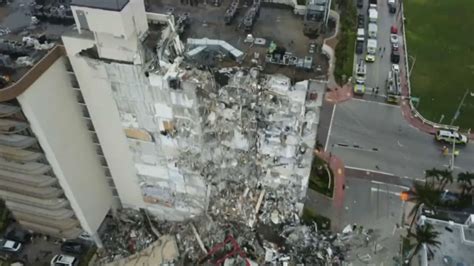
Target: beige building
53,175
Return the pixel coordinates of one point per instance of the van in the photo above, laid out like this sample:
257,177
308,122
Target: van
373,15
372,30
450,136
371,46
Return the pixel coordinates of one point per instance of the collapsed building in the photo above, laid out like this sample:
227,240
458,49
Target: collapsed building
162,135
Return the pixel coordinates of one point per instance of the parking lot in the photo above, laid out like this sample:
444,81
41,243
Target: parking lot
375,136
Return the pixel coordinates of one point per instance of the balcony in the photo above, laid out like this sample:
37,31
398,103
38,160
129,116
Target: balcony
50,204
40,213
8,126
8,110
29,168
17,141
63,224
13,154
48,230
36,192
29,180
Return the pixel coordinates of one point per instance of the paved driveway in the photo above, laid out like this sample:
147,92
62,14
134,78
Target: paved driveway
374,136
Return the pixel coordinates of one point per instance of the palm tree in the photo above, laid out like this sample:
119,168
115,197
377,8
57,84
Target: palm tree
423,194
446,177
465,180
424,235
433,174
443,177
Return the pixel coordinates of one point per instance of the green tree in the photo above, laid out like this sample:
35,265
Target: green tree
442,177
424,235
465,181
423,194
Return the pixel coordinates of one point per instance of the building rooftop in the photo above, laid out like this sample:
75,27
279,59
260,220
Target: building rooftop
27,34
113,5
455,248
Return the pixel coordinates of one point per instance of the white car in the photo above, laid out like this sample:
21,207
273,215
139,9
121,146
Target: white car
394,38
63,260
9,245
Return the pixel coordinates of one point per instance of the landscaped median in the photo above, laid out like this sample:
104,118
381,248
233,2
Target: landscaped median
321,178
345,41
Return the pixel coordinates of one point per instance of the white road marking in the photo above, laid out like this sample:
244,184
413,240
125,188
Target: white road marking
382,183
370,170
379,103
374,189
330,127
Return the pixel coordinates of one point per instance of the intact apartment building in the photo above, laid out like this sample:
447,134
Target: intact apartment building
115,118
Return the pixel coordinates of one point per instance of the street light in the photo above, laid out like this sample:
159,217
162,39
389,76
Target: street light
455,116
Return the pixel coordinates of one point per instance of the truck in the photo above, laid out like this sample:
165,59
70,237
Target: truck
371,46
393,87
372,33
373,15
361,71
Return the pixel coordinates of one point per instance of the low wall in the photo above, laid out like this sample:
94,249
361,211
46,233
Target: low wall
297,9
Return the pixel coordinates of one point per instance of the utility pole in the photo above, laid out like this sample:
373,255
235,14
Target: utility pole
456,115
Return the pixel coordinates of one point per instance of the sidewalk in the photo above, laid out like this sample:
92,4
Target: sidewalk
330,207
339,94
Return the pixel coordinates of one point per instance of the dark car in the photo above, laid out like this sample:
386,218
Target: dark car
18,235
395,57
360,3
73,247
359,47
360,21
392,8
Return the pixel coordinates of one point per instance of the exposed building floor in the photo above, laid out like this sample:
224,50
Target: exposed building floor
276,23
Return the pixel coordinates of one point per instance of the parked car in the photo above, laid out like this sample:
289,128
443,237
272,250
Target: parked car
10,245
392,7
63,260
393,29
73,247
395,57
18,235
450,136
360,21
393,38
395,46
359,47
360,3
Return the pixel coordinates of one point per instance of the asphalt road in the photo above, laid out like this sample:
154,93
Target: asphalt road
377,72
375,136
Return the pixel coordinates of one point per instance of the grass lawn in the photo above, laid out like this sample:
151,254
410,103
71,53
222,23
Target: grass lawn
319,179
346,41
439,36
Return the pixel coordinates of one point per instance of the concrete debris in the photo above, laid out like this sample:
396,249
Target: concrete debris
125,234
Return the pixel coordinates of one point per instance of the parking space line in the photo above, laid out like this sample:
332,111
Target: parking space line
330,127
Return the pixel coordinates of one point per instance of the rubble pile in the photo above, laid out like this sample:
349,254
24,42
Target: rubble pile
124,235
